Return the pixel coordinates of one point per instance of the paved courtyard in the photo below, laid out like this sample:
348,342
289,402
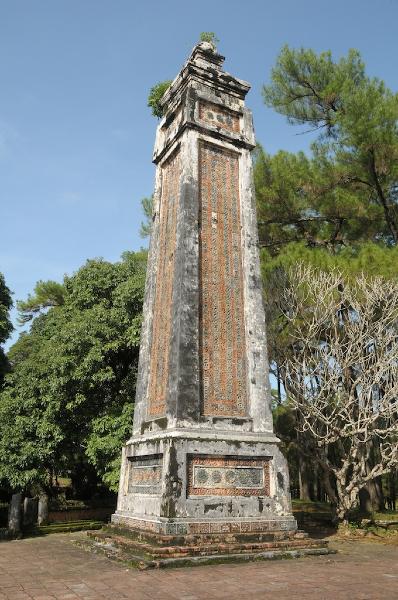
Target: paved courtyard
53,568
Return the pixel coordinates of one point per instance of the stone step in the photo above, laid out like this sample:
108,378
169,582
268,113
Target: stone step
127,545
203,538
136,557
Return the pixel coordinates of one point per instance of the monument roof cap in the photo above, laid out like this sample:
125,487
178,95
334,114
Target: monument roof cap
205,53
206,63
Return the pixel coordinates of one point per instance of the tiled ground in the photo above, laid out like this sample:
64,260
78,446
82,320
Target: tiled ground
53,568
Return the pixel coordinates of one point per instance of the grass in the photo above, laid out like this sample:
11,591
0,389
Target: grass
67,527
310,506
386,515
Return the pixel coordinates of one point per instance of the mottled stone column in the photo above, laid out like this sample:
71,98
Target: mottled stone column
42,510
15,515
203,456
30,508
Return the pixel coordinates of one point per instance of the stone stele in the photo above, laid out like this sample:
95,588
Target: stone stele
203,457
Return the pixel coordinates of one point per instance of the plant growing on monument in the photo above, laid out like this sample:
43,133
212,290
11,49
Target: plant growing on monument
209,37
156,94
341,376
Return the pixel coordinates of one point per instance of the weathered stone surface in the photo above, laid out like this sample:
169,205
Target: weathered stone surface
42,511
15,514
30,506
148,551
203,458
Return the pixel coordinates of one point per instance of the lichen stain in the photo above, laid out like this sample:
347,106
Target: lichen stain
173,486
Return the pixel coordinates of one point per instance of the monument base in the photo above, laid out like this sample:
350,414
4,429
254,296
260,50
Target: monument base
145,549
183,527
179,482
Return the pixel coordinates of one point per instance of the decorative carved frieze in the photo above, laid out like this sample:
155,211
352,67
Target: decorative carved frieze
217,116
227,476
162,317
222,327
145,474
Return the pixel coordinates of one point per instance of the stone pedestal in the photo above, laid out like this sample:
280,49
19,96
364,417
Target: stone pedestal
203,458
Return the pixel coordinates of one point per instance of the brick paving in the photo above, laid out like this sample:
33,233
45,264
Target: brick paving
53,568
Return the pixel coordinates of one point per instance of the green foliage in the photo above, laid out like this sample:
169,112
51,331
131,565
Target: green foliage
368,258
310,88
109,433
45,295
5,305
156,94
349,187
5,323
209,37
69,398
147,208
300,199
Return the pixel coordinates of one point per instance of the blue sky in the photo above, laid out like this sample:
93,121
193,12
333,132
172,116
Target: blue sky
76,135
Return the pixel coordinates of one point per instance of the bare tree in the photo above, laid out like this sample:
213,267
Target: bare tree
341,375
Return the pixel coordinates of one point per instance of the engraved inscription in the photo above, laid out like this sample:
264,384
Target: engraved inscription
223,476
161,328
145,475
222,329
218,116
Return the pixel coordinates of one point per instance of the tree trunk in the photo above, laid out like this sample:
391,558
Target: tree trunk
376,493
371,498
392,490
365,502
278,379
304,483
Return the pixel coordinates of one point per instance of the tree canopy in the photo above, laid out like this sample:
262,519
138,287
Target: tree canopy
334,208
347,190
5,323
69,397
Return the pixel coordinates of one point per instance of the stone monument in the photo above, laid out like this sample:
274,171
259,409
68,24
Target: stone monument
203,459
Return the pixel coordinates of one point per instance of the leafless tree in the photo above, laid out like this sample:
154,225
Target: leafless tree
341,376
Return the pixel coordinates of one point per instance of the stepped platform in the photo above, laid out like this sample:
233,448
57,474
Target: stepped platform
146,550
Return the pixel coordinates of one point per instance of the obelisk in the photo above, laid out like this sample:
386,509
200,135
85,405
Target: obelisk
203,457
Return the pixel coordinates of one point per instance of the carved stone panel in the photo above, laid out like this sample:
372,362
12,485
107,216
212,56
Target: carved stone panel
222,328
216,115
162,317
145,474
227,476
